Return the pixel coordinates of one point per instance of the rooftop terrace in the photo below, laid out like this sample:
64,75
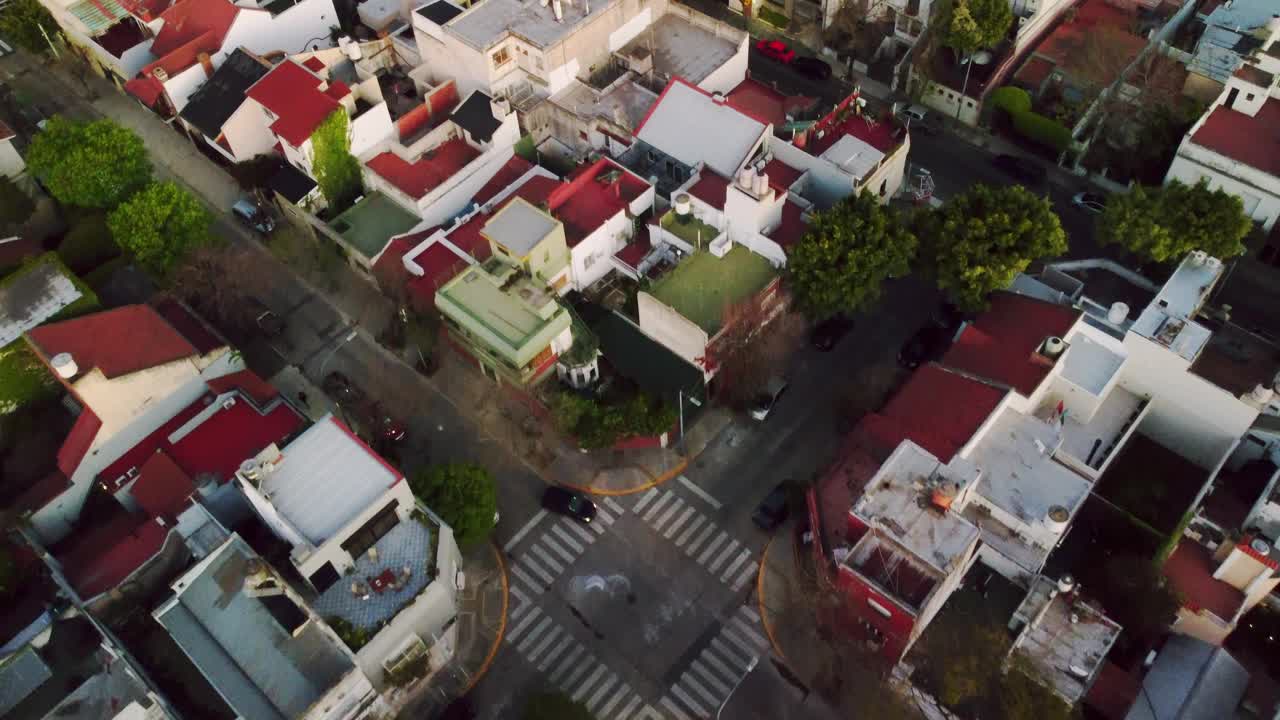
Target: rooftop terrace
492,20
703,285
428,171
681,49
1168,320
1066,640
519,320
405,552
370,223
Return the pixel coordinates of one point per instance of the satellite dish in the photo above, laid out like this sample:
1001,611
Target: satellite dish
982,57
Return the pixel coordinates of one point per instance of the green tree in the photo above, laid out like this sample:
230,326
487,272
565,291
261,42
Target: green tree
844,258
555,706
463,495
88,244
15,205
160,225
964,657
337,171
1166,223
981,239
962,32
25,22
1138,595
993,18
1021,696
97,164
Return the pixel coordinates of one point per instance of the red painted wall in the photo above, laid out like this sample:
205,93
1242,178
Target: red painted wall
896,628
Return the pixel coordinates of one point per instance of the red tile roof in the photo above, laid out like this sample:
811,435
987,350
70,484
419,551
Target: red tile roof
1035,71
78,441
293,95
190,27
765,104
781,175
792,227
587,202
1249,140
314,64
45,489
710,189
509,173
634,252
881,133
1190,570
428,172
337,90
1067,42
258,390
1001,344
146,89
162,488
439,263
100,557
189,326
117,342
1113,692
937,409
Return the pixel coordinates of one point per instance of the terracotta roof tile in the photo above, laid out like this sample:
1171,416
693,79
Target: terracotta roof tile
937,409
293,95
117,342
1000,344
1190,569
162,488
1249,140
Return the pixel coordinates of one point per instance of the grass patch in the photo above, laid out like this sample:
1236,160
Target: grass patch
317,259
773,17
691,230
1154,484
703,285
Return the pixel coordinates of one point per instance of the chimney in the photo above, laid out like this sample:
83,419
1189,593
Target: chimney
206,63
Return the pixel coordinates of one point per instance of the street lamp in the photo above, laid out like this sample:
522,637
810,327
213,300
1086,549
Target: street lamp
750,666
351,336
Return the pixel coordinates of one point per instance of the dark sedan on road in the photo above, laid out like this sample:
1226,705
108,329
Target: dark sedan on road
569,502
368,412
1026,170
772,511
828,333
929,343
812,67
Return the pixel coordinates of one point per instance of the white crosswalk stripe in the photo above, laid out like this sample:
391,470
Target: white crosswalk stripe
582,667
672,509
702,537
630,707
715,545
622,691
532,565
675,709
692,684
728,571
559,551
734,637
717,663
536,651
710,677
534,634
585,685
657,507
744,577
751,613
614,505
601,689
527,579
723,556
674,527
547,560
577,529
645,500
570,661
602,514
688,532
560,647
684,697
750,632
514,633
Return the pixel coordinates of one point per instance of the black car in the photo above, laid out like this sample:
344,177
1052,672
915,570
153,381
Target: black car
827,334
772,511
812,67
927,344
564,501
369,413
1028,171
341,388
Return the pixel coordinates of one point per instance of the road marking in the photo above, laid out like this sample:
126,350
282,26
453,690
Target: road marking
577,546
697,490
751,613
565,642
750,632
742,644
688,533
648,498
534,634
536,652
658,506
605,686
579,669
671,510
729,653
728,571
688,700
718,663
567,663
545,557
572,525
614,505
666,703
524,530
528,579
745,576
603,515
693,546
529,564
701,668
680,521
514,633
698,688
618,694
625,712
551,543
706,554
585,685
722,557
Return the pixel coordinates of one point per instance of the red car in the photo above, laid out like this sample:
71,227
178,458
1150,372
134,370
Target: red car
776,50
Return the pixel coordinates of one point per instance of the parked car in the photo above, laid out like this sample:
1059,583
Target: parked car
1028,171
772,511
1091,203
369,413
827,334
948,317
918,119
929,343
812,67
569,502
776,50
253,216
765,401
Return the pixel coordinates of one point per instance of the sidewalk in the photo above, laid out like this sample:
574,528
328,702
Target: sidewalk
482,622
786,609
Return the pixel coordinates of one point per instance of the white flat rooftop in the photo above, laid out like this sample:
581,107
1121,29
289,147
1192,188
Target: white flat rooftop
681,49
326,477
1168,320
31,296
690,126
892,500
1067,641
1104,429
533,21
1019,475
519,227
1089,364
853,155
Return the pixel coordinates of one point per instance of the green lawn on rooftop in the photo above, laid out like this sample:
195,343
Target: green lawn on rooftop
692,230
702,286
370,223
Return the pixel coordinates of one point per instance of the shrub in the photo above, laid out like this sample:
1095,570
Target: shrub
1043,130
88,244
1013,100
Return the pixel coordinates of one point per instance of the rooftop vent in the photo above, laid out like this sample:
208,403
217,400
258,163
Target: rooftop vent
1057,518
251,469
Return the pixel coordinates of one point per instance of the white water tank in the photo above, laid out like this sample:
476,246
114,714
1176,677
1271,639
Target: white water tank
1198,257
1057,519
64,365
1260,546
1213,262
1066,584
250,469
558,10
350,48
1118,313
745,176
1261,394
1053,347
762,183
682,204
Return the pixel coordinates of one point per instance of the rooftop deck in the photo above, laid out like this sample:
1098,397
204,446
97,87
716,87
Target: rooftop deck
682,49
485,24
432,169
1069,641
370,223
406,547
703,285
1092,443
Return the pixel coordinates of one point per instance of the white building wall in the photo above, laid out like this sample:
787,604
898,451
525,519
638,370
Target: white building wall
452,197
591,256
248,131
730,74
824,177
629,30
332,552
11,163
887,179
1258,191
468,67
371,128
182,86
679,334
303,27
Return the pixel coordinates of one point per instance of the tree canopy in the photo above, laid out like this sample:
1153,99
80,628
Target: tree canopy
844,258
25,22
1141,599
976,24
160,225
336,170
555,706
984,237
97,164
1166,223
15,205
463,495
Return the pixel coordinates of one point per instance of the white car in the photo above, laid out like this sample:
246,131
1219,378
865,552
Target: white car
1091,203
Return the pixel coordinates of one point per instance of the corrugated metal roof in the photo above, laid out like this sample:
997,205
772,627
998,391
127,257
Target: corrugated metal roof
90,12
1191,680
20,676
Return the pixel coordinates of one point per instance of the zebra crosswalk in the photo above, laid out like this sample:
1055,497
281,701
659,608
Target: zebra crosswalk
711,677
562,541
692,531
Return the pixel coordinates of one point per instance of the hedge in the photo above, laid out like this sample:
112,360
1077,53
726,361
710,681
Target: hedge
1013,100
1042,130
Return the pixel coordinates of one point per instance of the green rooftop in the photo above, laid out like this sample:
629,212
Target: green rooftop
516,321
370,223
703,285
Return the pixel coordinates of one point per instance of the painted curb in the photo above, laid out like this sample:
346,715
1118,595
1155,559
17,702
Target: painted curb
764,614
502,627
659,480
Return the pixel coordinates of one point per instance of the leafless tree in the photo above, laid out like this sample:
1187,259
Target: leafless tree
860,25
757,341
220,282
